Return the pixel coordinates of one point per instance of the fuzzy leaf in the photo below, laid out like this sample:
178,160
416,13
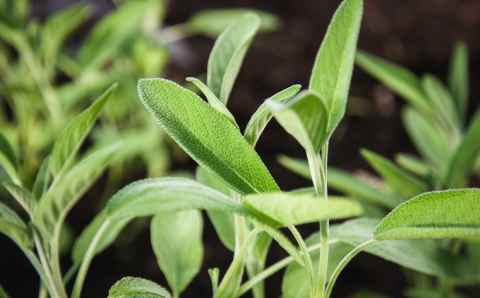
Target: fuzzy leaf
42,179
305,118
13,227
458,80
206,135
263,115
23,196
396,178
179,250
228,53
135,287
438,214
332,71
8,160
413,164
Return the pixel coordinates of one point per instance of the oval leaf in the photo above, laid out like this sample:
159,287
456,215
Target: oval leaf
134,287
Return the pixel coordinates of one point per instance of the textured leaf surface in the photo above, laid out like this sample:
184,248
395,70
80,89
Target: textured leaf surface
206,135
8,160
23,196
177,242
263,114
228,53
289,209
13,227
332,71
440,214
458,80
134,287
305,118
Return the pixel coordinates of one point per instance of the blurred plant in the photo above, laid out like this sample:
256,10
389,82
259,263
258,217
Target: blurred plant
435,119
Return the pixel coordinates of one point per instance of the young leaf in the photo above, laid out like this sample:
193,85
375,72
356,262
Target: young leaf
213,22
206,135
263,115
212,99
344,182
13,227
413,164
179,250
8,160
305,118
396,178
463,160
284,209
135,287
438,214
42,180
23,196
332,71
72,136
399,79
458,80
227,55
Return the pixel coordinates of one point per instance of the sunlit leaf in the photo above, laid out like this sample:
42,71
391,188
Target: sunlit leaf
135,287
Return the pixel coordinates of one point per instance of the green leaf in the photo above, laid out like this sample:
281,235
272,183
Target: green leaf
344,182
42,179
177,242
73,135
332,71
228,53
212,22
413,164
396,178
458,80
212,99
305,118
3,293
438,214
8,160
263,115
12,226
23,196
135,287
284,209
463,160
206,135
397,78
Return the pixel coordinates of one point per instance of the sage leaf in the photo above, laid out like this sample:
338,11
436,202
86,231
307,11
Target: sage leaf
332,71
12,226
458,80
397,78
206,135
23,196
396,178
438,214
228,53
305,118
8,159
42,179
286,209
3,293
413,164
135,287
212,22
73,135
263,115
179,250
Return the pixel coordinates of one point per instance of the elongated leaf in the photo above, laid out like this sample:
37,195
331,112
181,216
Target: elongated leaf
13,227
23,196
396,178
8,160
263,114
213,22
212,99
397,78
179,250
458,80
413,164
305,118
72,136
344,182
463,161
288,209
440,214
42,179
228,53
3,293
332,71
135,287
206,135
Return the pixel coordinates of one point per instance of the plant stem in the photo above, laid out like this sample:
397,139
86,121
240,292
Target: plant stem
308,259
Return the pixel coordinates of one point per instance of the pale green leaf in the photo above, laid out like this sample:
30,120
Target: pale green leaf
212,22
263,114
177,242
397,78
135,287
8,160
396,178
42,179
438,214
332,71
305,118
228,53
206,135
458,80
14,227
286,209
23,196
71,138
413,164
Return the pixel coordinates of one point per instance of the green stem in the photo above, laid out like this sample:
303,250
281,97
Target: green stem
308,259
